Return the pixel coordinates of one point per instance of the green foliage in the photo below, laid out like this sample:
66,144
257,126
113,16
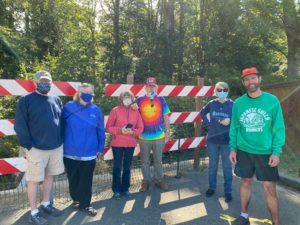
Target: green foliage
102,41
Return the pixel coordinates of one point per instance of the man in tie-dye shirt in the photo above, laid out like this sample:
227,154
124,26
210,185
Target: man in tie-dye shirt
155,114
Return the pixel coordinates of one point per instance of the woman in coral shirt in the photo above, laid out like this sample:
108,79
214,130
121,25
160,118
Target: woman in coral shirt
125,124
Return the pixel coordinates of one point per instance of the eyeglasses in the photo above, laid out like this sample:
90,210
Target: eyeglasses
220,90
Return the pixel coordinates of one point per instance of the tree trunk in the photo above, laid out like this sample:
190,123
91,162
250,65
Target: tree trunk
169,36
292,30
293,58
116,33
202,44
181,40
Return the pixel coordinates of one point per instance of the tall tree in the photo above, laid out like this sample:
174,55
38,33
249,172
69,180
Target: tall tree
291,22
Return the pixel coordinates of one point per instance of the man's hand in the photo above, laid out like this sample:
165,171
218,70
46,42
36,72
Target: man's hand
134,106
232,157
225,122
273,160
100,155
167,136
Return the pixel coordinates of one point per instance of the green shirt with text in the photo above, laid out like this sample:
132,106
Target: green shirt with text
257,125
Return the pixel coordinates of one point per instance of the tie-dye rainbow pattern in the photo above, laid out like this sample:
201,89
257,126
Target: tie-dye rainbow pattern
152,112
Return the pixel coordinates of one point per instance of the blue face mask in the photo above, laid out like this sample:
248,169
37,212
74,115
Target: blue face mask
222,95
151,95
43,88
86,97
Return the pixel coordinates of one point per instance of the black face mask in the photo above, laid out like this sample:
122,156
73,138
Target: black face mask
43,88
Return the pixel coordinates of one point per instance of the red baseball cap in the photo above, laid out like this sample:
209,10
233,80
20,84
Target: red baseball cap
249,71
151,81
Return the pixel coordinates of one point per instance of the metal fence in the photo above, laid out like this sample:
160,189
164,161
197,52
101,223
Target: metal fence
13,194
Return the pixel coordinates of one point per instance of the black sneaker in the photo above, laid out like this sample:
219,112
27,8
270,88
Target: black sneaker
228,197
241,221
36,219
210,192
127,194
51,210
117,196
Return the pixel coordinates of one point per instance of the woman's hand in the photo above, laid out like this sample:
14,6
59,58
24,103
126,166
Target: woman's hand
225,122
100,155
127,131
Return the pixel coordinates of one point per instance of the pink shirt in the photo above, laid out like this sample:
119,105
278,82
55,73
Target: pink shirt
119,117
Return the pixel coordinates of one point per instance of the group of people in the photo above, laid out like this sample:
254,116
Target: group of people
57,138
248,133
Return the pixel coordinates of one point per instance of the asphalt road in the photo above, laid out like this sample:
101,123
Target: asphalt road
184,204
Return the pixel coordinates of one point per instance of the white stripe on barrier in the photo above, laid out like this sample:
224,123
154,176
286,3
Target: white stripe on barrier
186,90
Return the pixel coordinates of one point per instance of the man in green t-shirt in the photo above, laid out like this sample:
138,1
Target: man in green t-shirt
257,134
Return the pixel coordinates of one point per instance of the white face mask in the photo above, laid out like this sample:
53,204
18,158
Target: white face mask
127,101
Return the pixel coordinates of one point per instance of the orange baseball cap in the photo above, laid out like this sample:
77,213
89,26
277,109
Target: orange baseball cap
249,71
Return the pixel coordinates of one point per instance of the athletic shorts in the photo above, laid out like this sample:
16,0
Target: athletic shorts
248,164
43,163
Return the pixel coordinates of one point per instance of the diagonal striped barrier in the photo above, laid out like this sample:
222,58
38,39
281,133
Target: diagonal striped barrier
19,164
23,87
163,90
7,126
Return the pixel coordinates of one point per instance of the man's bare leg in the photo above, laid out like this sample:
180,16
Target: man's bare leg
47,188
272,200
32,194
245,193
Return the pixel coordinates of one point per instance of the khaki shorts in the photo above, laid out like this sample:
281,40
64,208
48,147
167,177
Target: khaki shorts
43,163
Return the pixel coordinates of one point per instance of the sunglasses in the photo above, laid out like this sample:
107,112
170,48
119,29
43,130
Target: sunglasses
220,90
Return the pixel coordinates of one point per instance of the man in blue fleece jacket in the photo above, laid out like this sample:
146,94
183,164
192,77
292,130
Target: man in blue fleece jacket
38,128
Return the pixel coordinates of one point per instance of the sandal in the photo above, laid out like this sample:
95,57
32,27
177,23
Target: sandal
89,211
75,204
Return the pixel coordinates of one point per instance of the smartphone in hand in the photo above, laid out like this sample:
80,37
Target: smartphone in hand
129,125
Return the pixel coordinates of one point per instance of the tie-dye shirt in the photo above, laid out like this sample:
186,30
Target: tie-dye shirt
152,112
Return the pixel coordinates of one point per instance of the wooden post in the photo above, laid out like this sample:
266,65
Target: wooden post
129,78
197,126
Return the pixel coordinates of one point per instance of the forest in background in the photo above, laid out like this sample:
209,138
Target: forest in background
174,40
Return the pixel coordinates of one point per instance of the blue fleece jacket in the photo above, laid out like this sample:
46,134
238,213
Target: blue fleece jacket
211,114
38,121
84,133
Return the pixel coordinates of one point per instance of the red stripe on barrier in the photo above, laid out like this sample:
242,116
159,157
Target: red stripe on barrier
198,118
176,90
203,142
160,88
135,89
194,91
28,85
169,145
187,143
2,134
106,149
6,168
210,92
182,117
3,91
65,87
111,88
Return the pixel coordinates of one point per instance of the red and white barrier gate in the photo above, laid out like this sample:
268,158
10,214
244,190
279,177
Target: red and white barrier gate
22,87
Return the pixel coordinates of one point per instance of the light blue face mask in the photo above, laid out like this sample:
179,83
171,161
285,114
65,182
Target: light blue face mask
222,95
151,95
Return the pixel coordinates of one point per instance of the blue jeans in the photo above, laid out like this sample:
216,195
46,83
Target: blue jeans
214,151
122,159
